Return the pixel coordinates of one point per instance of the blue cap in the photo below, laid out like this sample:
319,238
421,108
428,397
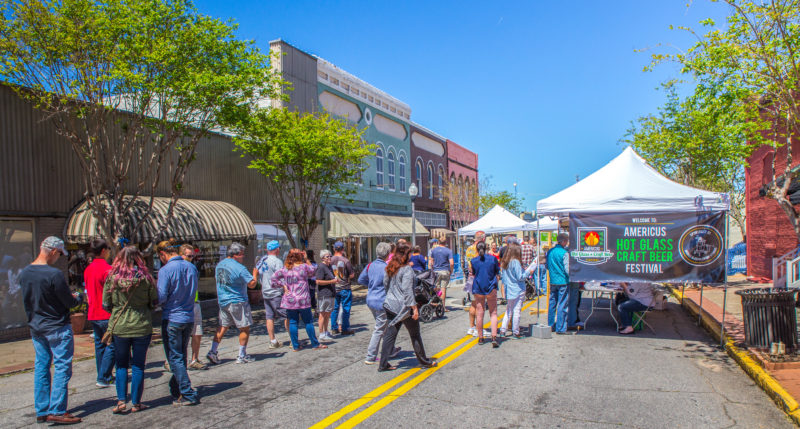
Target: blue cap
272,245
338,245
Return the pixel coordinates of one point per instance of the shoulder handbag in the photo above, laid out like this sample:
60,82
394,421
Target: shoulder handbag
108,336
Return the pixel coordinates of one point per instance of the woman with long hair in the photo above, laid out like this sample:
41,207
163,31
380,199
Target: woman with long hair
513,276
130,296
401,308
485,269
294,277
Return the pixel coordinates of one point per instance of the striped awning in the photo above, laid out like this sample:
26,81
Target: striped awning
192,220
371,225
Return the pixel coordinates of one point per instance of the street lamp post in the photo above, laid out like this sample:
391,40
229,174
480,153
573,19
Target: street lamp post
412,191
515,190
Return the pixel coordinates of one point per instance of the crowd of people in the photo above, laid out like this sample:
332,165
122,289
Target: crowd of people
122,295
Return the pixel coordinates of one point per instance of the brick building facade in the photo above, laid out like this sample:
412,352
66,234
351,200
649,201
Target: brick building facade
769,232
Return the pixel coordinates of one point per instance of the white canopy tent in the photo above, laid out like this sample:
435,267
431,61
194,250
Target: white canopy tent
498,220
629,184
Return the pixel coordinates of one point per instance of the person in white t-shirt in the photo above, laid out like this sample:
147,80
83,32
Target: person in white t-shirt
640,298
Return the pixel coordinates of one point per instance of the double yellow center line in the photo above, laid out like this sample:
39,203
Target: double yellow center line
403,389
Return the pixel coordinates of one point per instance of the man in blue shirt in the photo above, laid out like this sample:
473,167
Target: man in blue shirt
441,262
233,280
558,267
372,278
177,286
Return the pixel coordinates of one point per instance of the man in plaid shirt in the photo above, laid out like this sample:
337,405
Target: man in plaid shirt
529,256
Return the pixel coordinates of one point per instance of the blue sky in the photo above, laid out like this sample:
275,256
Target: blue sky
541,90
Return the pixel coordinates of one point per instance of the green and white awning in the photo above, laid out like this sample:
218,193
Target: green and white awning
192,220
372,225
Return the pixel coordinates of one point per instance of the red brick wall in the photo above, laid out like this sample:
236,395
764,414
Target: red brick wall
769,232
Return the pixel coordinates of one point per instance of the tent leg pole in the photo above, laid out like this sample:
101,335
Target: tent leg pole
683,292
538,267
722,324
700,311
725,291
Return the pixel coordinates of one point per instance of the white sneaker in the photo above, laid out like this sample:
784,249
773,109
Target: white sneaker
213,357
244,359
487,333
472,331
275,344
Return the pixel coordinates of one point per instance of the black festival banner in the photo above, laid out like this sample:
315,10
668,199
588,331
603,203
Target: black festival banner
659,247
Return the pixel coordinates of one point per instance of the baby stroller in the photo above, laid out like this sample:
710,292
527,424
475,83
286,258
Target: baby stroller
427,299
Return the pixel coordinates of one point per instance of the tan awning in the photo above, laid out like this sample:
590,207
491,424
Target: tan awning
371,225
192,220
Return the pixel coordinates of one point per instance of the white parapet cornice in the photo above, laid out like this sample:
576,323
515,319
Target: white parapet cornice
333,76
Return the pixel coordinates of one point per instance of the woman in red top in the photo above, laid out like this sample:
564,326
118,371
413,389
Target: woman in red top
94,278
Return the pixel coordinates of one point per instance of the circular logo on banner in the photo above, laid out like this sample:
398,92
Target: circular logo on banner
700,245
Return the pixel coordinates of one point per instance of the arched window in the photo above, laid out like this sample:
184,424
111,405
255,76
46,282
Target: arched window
379,167
390,169
419,178
441,183
401,160
430,181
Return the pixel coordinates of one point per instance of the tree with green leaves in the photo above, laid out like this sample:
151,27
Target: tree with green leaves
133,86
756,58
700,141
306,158
489,197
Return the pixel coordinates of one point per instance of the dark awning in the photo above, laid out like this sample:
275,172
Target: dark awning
192,220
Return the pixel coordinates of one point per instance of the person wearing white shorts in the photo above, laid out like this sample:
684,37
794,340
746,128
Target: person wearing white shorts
197,335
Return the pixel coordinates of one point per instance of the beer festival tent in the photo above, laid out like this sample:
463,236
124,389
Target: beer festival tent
609,203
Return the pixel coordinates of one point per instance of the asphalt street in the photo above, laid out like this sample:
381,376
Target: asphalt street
676,377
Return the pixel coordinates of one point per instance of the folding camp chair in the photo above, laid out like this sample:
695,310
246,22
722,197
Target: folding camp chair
640,316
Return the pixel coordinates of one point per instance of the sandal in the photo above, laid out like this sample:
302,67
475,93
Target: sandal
138,407
320,347
430,364
121,408
495,344
387,368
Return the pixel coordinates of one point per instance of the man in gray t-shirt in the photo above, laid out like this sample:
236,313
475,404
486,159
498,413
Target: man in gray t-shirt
265,268
344,296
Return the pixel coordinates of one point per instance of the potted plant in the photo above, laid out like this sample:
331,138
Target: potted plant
254,295
77,316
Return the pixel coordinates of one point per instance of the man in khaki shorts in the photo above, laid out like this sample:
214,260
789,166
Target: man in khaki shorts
233,280
441,261
187,253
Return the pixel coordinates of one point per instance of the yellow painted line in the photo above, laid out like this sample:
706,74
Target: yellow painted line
452,346
364,399
400,391
393,382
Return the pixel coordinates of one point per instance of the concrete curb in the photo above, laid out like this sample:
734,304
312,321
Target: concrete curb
772,387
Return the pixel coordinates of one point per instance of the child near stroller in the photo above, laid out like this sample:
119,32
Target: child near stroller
428,300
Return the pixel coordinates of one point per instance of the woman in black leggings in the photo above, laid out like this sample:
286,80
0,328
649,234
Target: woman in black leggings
401,308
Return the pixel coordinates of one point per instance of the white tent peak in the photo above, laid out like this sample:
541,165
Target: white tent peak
497,220
629,184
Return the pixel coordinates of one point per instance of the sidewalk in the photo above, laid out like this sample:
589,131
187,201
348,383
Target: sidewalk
17,356
781,381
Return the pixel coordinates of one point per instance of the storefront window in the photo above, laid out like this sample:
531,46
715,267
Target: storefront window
266,233
16,252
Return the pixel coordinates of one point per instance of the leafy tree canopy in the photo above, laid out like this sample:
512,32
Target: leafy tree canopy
306,158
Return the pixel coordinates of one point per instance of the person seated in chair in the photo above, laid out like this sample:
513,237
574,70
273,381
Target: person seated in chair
638,297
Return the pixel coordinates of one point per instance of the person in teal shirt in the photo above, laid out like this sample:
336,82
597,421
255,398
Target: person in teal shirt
233,280
558,267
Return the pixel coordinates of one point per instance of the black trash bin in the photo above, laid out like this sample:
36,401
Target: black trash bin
769,317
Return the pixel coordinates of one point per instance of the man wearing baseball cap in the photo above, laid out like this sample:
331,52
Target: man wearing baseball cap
265,268
344,296
47,300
